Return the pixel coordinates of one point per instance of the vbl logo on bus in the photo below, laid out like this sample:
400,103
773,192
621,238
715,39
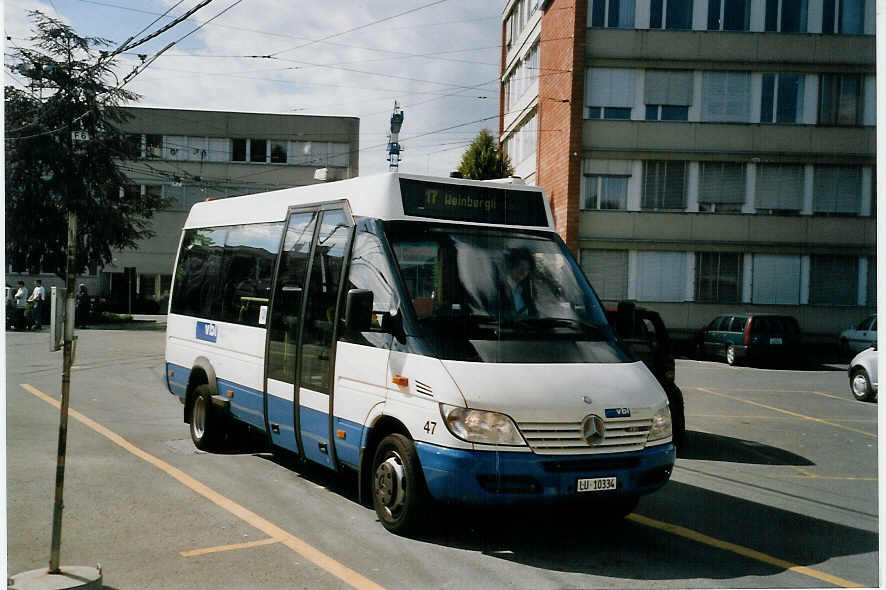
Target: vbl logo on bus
207,331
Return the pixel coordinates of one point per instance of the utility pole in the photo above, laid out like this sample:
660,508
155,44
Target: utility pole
69,577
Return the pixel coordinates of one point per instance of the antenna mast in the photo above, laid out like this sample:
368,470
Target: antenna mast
394,147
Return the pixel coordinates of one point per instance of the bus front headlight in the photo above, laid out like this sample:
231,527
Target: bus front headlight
661,425
479,426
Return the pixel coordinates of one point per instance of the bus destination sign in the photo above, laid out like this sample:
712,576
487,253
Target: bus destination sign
472,203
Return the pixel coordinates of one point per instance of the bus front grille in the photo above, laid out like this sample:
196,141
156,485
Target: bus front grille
565,438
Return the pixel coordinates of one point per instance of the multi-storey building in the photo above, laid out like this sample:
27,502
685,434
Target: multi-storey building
703,156
188,156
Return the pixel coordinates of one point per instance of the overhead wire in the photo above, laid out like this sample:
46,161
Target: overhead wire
363,26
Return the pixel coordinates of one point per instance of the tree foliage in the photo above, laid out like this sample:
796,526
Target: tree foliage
48,173
483,160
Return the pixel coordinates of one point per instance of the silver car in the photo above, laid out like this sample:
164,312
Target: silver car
860,337
863,375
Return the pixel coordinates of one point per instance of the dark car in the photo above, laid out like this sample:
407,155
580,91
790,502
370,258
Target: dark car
644,336
743,337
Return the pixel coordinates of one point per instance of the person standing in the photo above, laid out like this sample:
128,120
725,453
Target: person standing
38,296
21,296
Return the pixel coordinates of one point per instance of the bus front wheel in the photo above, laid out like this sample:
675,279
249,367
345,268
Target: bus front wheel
205,423
398,487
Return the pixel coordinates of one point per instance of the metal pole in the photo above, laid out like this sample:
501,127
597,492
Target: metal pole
66,391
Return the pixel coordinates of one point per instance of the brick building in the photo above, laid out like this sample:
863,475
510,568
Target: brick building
703,156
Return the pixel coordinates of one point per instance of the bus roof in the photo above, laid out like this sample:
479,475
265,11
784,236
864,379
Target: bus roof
380,196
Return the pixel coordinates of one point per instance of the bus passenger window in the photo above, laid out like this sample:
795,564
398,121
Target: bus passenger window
283,331
250,252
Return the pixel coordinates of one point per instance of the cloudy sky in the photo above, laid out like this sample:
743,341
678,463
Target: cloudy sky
438,58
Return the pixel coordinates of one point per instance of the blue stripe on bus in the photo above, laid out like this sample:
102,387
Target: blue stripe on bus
247,405
177,383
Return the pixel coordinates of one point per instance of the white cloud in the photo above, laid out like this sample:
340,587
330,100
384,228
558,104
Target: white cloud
366,70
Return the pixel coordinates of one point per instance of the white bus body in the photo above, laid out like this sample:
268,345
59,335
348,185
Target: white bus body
433,335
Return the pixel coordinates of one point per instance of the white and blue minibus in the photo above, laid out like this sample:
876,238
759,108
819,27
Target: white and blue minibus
433,335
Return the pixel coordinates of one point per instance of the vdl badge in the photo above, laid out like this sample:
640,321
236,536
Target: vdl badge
207,331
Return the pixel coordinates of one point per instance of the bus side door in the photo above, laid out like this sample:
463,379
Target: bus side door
283,333
319,331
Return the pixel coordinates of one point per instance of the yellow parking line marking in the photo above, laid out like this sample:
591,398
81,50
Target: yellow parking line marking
313,555
234,547
788,412
743,551
806,474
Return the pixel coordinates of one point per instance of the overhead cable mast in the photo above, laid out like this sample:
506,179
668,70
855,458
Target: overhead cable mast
394,147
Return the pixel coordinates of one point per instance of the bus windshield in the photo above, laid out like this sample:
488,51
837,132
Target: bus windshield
500,295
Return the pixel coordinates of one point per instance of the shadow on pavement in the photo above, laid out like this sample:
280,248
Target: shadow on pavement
715,447
570,541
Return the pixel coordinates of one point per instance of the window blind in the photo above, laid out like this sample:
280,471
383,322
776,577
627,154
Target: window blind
607,271
776,279
664,183
661,276
837,189
721,182
726,96
669,87
833,280
780,187
610,87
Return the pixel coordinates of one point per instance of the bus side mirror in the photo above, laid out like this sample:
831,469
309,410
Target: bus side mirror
358,310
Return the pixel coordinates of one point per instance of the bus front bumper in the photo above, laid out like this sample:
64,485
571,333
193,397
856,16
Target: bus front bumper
500,477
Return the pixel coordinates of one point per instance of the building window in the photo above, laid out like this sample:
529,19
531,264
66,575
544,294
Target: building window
604,192
872,282
238,150
833,280
726,97
521,144
668,94
729,15
779,188
663,112
258,150
664,184
721,187
610,93
786,16
718,277
661,276
776,279
613,14
278,152
670,14
522,78
782,98
840,99
607,271
843,16
836,190
153,146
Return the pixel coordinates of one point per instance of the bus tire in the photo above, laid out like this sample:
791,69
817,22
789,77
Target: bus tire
206,425
399,493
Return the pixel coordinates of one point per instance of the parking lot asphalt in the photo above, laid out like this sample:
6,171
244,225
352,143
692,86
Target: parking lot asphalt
776,488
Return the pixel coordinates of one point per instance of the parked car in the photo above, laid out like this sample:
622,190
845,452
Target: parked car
743,337
863,375
862,336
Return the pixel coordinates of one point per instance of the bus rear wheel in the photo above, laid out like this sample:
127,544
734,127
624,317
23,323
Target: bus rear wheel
206,425
399,494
